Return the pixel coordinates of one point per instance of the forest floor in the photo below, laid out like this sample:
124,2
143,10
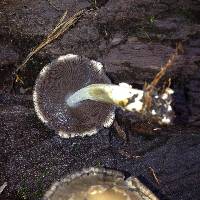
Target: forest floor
132,39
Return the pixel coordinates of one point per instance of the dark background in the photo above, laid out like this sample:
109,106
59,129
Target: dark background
132,38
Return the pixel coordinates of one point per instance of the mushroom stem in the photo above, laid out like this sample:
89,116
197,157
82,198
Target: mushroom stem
122,95
128,98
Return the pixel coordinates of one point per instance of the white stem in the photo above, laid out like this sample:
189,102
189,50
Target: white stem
109,93
123,95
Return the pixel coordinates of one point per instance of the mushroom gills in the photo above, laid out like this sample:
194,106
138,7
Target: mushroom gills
60,79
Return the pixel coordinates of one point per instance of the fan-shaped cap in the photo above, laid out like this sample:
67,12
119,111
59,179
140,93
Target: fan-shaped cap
56,82
99,184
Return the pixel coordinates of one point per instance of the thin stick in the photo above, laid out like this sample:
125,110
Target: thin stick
154,175
60,28
49,1
164,68
149,88
3,187
63,17
120,132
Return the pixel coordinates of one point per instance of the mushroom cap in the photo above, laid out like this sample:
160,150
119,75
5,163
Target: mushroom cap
99,184
57,81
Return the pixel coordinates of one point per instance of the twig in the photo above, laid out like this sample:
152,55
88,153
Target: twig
94,4
63,17
120,132
3,187
49,1
126,154
149,88
60,28
169,64
19,79
154,175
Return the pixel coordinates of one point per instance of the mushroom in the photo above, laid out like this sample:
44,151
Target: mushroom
73,96
99,184
60,79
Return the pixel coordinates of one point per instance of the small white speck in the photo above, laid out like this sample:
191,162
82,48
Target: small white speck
169,108
164,96
153,112
166,120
